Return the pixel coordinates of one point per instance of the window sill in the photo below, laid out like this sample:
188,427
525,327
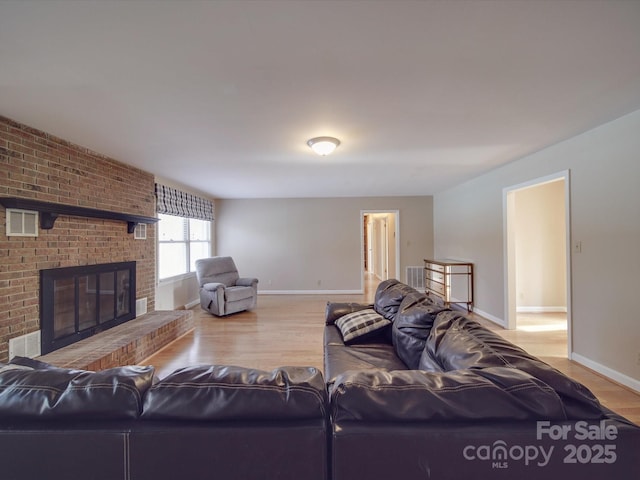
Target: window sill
176,279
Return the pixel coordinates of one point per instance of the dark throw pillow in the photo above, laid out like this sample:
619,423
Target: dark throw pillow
412,326
389,296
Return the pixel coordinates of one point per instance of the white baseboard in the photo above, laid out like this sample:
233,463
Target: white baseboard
310,292
610,373
541,309
614,375
192,304
492,318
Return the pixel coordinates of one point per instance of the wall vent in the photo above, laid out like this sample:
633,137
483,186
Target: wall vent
22,223
415,278
141,306
25,345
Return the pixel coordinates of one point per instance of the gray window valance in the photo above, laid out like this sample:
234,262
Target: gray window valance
171,201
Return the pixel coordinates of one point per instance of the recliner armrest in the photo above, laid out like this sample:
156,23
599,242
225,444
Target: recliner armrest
246,282
213,286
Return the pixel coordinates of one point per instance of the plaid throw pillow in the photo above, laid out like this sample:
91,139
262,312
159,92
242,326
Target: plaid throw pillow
357,324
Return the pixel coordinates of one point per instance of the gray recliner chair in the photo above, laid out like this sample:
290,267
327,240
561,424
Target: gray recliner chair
222,290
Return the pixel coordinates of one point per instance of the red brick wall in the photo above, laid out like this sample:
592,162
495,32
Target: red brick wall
34,164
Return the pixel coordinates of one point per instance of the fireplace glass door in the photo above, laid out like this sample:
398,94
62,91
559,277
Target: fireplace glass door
77,302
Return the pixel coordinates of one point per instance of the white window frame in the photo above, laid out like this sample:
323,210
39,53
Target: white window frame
189,273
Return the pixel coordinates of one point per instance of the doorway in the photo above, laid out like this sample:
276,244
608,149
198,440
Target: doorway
537,255
380,245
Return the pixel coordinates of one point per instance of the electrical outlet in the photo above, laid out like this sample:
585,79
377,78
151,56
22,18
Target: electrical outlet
577,246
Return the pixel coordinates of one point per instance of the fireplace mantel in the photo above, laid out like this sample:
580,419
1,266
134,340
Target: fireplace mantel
49,212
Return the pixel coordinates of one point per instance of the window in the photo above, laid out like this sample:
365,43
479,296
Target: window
181,241
184,230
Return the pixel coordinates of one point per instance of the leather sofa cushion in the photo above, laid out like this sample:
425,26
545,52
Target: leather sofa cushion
59,393
389,296
339,360
490,394
220,393
412,326
457,342
373,352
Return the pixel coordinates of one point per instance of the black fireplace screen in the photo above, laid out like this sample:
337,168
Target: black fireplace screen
78,302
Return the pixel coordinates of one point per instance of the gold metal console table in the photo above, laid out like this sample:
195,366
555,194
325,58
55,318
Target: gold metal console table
450,280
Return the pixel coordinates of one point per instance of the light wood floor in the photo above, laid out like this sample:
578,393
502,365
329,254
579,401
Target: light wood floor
288,330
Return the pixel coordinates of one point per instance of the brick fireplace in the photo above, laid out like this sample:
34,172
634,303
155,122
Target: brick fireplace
40,166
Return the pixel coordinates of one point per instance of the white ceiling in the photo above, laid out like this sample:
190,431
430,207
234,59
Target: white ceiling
222,96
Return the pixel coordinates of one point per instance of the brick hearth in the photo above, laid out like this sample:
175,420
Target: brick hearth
126,344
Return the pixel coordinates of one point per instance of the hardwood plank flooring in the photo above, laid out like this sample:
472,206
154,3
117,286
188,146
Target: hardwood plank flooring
283,330
288,330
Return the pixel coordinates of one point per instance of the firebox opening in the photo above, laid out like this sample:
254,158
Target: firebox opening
78,302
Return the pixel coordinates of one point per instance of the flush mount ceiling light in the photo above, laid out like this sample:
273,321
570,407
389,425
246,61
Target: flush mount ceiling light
323,145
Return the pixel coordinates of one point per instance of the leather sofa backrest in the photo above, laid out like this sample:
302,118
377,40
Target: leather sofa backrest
218,393
490,394
457,342
59,393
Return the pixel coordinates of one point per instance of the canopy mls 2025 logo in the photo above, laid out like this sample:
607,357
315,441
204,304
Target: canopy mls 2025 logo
579,443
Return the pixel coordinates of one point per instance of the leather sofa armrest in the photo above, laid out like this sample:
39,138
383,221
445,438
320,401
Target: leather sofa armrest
213,286
490,394
246,282
336,310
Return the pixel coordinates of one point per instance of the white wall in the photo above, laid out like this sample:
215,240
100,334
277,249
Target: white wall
604,166
540,243
314,244
177,293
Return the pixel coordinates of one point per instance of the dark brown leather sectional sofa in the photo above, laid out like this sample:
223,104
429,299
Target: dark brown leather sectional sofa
197,423
429,394
437,395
